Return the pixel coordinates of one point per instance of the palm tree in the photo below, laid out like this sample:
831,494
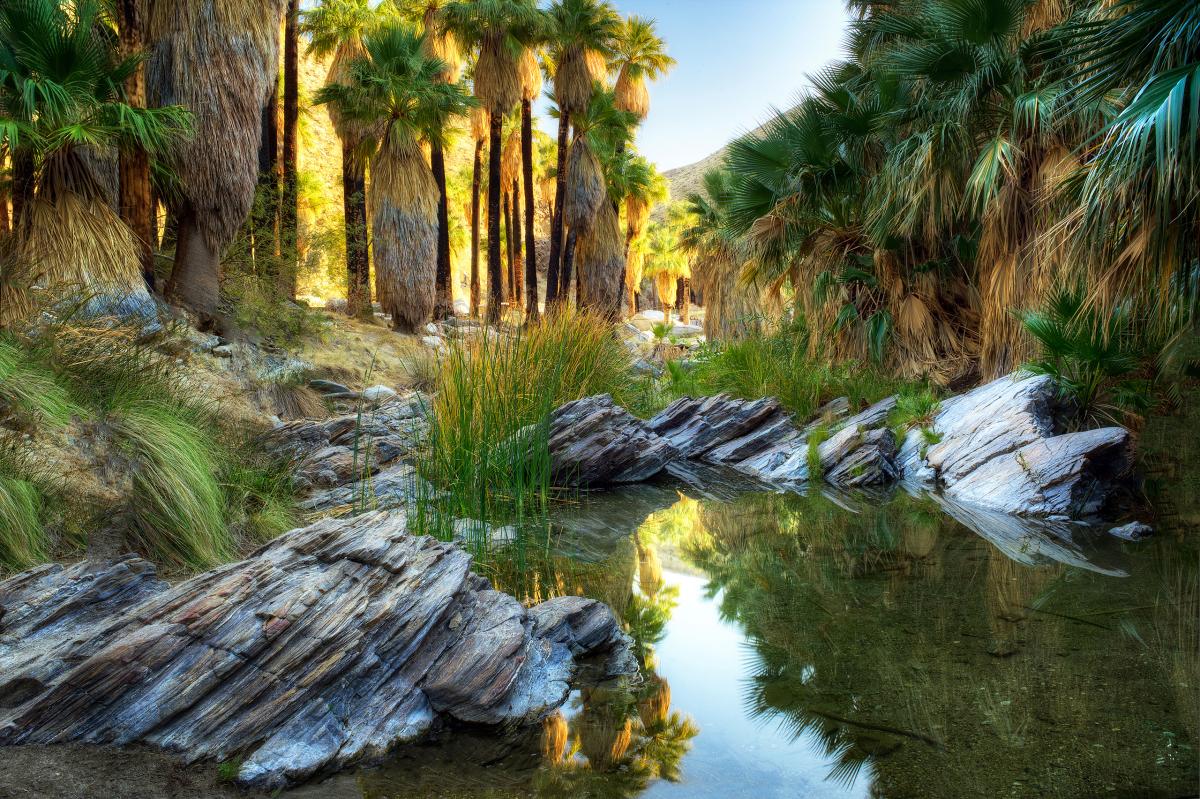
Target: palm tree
398,90
639,56
135,201
61,101
217,58
590,207
531,87
289,217
500,30
642,187
440,43
666,264
336,28
581,35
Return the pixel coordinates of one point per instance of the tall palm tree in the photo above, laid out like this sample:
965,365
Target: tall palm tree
440,43
289,216
639,55
397,89
61,101
336,27
135,201
642,187
580,40
531,87
217,58
480,128
499,30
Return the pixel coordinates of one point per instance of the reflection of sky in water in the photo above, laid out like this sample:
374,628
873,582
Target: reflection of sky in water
704,659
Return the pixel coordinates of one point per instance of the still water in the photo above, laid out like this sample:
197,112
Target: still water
849,646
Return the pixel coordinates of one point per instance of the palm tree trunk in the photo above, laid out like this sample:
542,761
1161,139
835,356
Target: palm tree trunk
266,209
475,181
196,279
354,208
508,248
134,201
518,246
683,302
291,120
568,263
5,226
495,267
443,306
531,285
555,285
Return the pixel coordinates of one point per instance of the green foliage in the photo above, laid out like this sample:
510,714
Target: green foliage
916,407
197,487
778,365
1093,356
816,438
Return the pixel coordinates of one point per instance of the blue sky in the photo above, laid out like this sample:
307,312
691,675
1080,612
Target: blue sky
737,58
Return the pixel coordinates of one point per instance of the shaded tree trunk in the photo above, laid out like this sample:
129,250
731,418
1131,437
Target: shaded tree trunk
475,181
567,265
443,305
135,202
196,279
531,284
495,267
354,208
555,284
508,247
289,214
266,206
23,169
517,266
5,225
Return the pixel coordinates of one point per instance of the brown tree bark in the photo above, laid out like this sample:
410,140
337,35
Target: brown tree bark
683,300
517,264
443,305
266,206
135,200
508,247
567,265
531,283
495,267
196,279
555,284
23,168
289,215
475,181
354,208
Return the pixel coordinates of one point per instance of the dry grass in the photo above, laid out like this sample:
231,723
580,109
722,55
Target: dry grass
529,72
601,259
585,188
404,200
632,94
579,69
217,58
497,76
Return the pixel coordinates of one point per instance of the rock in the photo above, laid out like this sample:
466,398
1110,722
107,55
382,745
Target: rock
1072,475
1134,531
296,440
334,465
686,331
475,532
431,329
995,419
377,395
910,461
696,426
200,342
831,411
328,646
857,456
594,443
643,367
777,427
222,351
433,342
330,388
393,488
869,419
135,307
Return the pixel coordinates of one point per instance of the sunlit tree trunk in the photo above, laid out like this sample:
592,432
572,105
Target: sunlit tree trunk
683,300
475,181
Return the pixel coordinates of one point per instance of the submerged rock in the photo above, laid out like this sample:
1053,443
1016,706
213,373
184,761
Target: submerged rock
1134,531
857,456
328,646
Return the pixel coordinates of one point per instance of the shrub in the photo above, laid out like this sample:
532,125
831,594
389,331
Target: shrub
23,505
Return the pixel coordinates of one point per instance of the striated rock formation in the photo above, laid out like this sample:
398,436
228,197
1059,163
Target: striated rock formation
995,447
328,646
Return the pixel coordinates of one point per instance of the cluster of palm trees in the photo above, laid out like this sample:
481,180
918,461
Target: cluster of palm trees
184,97
413,86
968,158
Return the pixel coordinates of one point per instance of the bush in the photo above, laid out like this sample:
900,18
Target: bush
23,511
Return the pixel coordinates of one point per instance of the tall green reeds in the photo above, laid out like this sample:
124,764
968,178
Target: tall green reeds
489,422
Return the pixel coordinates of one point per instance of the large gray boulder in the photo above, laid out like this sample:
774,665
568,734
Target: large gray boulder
330,645
696,427
593,442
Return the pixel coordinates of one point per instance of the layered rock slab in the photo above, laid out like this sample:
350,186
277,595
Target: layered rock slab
328,646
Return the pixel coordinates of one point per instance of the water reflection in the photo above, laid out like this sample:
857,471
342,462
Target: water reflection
841,645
